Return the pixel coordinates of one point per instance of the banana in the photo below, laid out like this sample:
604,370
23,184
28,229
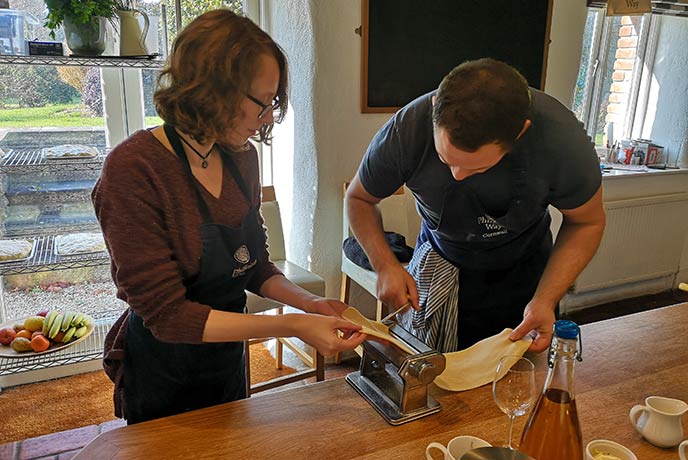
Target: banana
87,321
80,331
49,318
78,317
69,334
67,320
55,328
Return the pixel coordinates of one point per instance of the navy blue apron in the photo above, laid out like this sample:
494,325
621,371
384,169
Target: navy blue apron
162,378
500,258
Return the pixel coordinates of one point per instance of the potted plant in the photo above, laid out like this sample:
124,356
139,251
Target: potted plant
84,23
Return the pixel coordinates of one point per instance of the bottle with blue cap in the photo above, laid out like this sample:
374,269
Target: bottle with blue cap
552,431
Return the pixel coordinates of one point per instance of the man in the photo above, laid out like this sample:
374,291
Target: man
484,156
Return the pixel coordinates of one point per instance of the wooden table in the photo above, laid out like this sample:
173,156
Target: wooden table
624,360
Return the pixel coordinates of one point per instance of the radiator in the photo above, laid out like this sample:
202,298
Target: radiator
643,240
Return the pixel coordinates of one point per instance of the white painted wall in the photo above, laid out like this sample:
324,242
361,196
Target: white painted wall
295,160
331,134
669,90
563,60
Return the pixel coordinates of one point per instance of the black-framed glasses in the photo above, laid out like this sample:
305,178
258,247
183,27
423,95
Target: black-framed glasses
265,108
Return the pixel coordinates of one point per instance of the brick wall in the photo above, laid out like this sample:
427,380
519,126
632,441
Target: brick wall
622,77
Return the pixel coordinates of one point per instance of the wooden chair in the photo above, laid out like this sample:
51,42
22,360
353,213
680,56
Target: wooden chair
256,304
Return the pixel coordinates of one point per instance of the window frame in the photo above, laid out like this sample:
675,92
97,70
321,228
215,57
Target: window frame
123,88
642,71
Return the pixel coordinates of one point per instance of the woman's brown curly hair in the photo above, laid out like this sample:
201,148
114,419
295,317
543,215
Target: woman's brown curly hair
210,70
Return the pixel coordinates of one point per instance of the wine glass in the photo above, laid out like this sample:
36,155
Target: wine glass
513,387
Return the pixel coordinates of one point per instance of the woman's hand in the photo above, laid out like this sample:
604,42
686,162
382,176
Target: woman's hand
322,333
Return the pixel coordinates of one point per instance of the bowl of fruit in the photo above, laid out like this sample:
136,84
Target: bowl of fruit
45,332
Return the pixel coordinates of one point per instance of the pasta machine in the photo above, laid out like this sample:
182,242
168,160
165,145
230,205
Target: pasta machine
394,381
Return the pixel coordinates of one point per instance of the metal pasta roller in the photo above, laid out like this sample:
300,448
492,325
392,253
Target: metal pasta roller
394,381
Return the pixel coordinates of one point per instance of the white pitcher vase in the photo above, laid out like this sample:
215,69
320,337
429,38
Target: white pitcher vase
659,420
132,40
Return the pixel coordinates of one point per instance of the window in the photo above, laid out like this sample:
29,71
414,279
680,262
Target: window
167,17
612,63
166,31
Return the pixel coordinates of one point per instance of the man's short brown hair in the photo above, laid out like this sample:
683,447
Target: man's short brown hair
481,102
209,72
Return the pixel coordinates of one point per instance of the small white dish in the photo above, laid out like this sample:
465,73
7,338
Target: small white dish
611,448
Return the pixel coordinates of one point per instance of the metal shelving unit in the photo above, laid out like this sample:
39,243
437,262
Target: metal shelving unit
86,354
97,61
21,370
32,161
64,230
45,259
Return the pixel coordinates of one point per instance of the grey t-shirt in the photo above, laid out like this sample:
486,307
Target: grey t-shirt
561,169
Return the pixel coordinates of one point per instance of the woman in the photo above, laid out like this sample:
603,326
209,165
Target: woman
179,208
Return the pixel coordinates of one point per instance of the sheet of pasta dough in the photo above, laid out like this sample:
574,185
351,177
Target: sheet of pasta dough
475,366
373,328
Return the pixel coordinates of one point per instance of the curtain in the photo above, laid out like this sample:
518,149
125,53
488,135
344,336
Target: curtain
668,7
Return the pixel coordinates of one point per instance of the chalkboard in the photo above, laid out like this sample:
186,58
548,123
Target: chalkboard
409,45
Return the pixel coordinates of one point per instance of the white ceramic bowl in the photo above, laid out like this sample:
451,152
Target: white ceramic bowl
608,447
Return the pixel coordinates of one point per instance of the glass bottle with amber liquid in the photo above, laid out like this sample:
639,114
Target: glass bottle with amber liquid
552,431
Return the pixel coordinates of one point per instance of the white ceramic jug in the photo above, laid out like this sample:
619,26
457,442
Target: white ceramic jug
132,40
683,450
659,420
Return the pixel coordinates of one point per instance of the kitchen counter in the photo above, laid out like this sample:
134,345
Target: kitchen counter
612,170
623,184
625,360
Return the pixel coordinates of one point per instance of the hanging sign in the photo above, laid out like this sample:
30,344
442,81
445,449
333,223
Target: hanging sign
628,7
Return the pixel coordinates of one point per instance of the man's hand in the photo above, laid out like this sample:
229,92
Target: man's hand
395,287
394,284
539,318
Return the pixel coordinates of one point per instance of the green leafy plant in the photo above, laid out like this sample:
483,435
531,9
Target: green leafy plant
126,5
80,12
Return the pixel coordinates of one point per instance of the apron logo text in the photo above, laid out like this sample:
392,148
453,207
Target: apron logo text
493,227
242,270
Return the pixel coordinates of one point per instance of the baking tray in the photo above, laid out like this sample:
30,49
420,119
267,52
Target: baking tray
73,254
31,253
93,154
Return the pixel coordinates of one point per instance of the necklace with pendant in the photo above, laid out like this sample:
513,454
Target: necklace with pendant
204,158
